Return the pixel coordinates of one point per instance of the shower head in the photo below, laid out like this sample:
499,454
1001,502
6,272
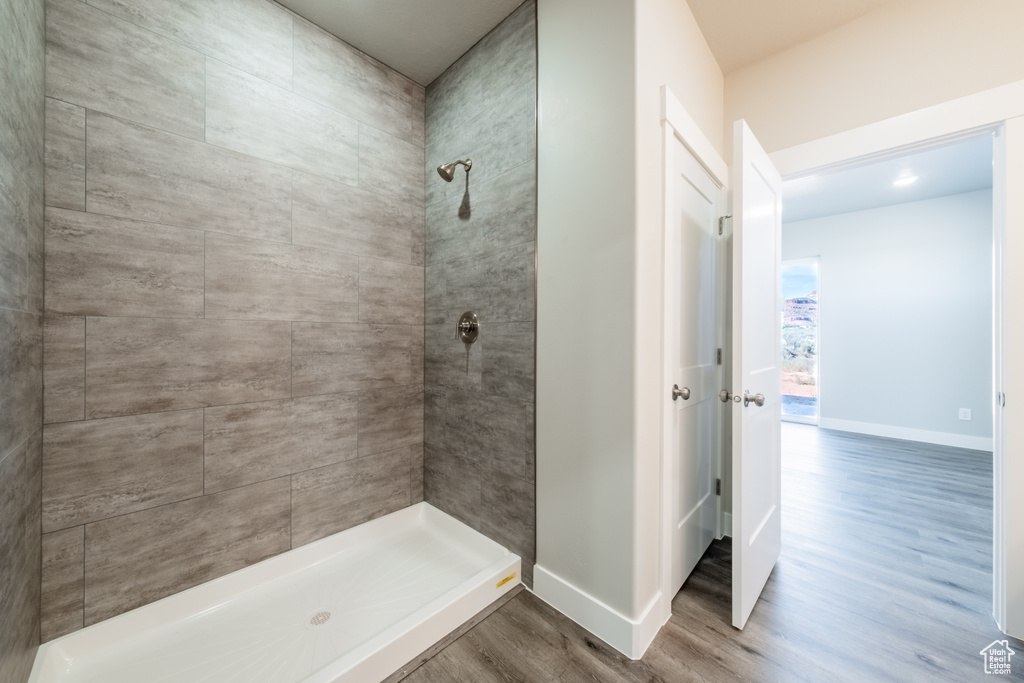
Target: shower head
447,171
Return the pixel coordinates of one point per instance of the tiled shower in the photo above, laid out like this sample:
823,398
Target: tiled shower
252,277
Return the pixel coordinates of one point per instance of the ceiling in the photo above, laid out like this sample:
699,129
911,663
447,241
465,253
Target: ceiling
418,38
962,166
740,32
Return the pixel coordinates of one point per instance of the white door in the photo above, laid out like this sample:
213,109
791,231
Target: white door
694,205
757,333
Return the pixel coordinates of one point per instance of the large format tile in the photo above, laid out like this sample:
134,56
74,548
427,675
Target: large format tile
22,70
334,498
63,368
254,279
390,418
21,243
146,174
65,155
259,441
21,375
497,140
339,217
113,66
338,76
390,166
487,429
498,286
335,358
100,265
508,361
135,559
390,293
97,469
143,365
449,362
249,115
19,558
225,29
507,515
63,583
435,403
415,474
452,484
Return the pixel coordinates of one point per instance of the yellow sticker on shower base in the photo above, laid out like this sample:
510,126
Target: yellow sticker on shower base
506,580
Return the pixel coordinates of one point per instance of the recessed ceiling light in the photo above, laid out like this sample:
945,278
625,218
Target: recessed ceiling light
903,181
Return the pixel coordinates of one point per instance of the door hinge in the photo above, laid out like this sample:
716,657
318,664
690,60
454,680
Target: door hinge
1001,400
721,224
718,487
719,356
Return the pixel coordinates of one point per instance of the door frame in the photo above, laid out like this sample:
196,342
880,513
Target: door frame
1000,110
677,124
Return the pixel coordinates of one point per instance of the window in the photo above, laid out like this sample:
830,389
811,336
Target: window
800,340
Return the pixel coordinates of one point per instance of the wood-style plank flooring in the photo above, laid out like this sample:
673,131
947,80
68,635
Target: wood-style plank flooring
885,575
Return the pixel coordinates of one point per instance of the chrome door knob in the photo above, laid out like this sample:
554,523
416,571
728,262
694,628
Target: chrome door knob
683,393
756,399
725,395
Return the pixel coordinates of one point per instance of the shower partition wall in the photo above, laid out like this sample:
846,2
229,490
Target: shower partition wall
234,296
480,247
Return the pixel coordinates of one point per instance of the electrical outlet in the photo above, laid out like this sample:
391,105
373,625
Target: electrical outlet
965,414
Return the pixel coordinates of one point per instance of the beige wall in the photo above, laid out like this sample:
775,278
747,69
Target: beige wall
21,311
233,342
905,56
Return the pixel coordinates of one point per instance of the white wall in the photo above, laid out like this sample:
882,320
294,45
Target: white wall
904,56
906,308
601,65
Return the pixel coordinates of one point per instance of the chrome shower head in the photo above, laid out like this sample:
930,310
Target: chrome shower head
447,171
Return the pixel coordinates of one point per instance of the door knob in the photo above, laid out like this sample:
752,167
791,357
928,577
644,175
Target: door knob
683,393
756,399
725,395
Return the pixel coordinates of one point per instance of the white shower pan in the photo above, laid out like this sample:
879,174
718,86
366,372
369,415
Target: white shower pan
353,607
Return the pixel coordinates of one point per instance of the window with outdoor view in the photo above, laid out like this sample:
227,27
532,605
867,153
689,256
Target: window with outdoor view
800,340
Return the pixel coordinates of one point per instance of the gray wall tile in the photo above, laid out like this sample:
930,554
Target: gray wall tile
508,363
63,368
498,286
508,515
387,165
336,358
415,473
435,404
390,293
63,584
249,115
21,242
19,559
340,77
452,484
335,216
21,367
146,174
448,362
254,279
435,310
100,265
135,559
97,469
92,59
259,441
487,429
22,72
390,418
334,498
142,365
225,29
65,155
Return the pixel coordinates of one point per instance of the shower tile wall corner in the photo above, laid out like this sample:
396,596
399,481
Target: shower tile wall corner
480,254
22,107
232,347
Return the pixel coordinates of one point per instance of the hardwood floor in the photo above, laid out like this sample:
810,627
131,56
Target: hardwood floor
885,575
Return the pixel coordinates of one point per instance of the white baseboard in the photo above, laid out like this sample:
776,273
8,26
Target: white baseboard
727,524
978,443
631,637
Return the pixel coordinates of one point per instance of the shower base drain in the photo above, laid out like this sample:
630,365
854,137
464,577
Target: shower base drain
318,619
